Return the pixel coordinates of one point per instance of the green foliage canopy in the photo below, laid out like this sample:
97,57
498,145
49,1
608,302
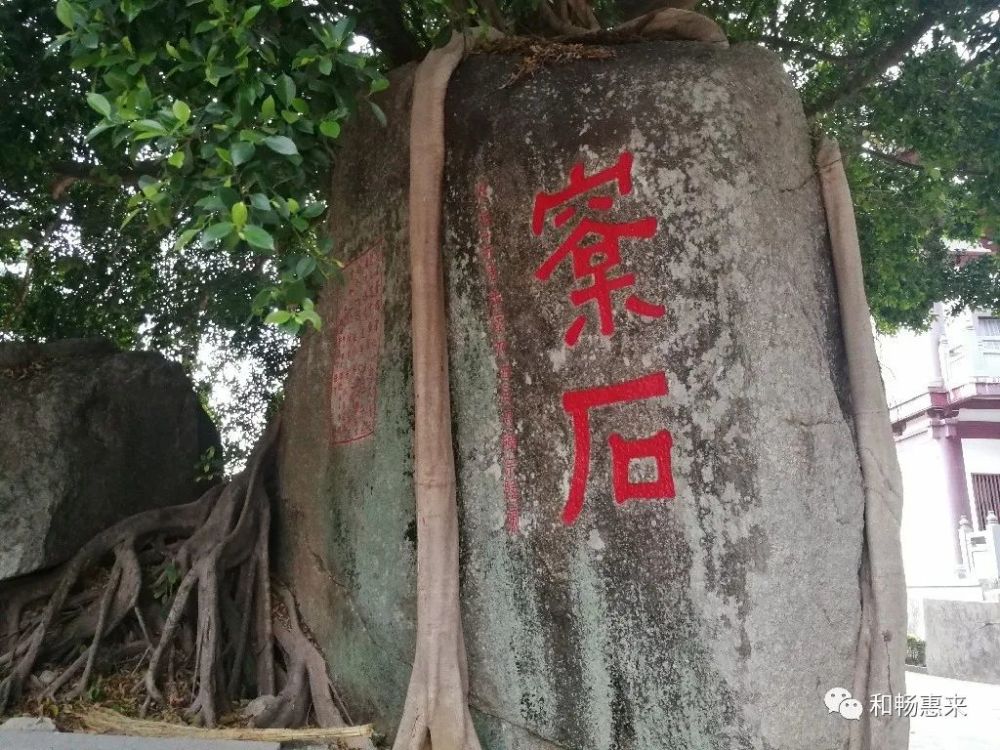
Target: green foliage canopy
166,161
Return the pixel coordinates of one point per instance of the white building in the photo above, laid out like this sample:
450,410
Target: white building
943,388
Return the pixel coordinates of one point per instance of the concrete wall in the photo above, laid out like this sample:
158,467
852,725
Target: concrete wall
963,640
917,596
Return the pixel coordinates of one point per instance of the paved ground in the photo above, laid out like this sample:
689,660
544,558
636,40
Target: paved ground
60,741
979,729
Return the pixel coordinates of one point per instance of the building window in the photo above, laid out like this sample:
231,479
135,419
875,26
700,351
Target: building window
986,496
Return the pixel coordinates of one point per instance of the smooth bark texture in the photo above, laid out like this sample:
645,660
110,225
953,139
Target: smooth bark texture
436,712
881,641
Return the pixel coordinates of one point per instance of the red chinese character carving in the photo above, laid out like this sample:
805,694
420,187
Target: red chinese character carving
623,450
594,247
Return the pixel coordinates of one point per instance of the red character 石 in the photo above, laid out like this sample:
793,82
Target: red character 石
594,247
623,450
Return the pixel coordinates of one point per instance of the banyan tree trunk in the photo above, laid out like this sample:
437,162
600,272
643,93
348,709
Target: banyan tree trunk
661,508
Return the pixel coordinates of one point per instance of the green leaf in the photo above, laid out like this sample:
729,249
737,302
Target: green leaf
280,3
251,136
128,217
150,126
239,214
262,298
286,89
305,267
215,73
241,152
258,237
277,317
185,237
295,292
181,111
217,231
330,128
325,65
228,196
97,130
176,159
379,84
343,28
310,316
64,12
149,186
260,202
281,144
312,210
99,104
267,108
250,14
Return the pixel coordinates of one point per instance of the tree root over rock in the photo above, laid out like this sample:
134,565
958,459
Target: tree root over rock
221,624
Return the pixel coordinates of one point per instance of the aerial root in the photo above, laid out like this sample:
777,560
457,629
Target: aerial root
188,589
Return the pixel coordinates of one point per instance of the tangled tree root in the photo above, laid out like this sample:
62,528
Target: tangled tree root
208,562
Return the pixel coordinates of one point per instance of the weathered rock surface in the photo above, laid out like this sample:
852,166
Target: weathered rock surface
88,436
28,724
715,618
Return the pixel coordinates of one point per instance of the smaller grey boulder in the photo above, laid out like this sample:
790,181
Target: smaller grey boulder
28,724
88,436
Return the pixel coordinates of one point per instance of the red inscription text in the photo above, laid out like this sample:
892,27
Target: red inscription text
593,250
498,338
623,450
594,247
356,347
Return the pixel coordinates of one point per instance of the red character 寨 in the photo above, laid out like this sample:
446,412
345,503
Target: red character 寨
594,247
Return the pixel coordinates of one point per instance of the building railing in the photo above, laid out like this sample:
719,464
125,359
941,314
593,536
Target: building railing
981,550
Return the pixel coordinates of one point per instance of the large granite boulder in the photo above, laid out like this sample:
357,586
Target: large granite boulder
88,436
660,500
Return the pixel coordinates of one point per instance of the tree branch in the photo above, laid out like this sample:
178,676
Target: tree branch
985,54
68,172
893,159
496,18
885,55
911,160
386,27
383,22
559,25
804,47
